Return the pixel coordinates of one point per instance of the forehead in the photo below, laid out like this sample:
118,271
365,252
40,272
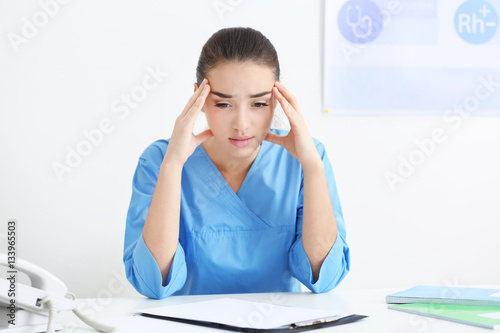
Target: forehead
247,77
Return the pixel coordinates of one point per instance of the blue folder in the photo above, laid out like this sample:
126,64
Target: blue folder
446,295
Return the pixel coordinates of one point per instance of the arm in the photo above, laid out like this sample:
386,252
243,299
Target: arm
154,259
319,229
336,264
161,229
319,258
141,267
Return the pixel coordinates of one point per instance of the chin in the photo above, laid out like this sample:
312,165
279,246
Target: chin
243,152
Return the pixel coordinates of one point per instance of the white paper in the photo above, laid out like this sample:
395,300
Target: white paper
240,313
493,315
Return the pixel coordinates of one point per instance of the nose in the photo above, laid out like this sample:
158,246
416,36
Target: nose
241,120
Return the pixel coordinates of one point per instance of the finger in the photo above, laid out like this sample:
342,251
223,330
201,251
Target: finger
203,136
200,100
198,104
288,95
195,95
285,105
297,124
274,138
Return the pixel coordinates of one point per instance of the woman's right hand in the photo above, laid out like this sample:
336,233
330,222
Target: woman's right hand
182,142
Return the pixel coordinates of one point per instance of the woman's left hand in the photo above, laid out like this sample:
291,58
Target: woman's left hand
298,142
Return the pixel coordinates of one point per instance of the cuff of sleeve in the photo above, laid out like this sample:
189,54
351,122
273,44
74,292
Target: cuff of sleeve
332,271
149,276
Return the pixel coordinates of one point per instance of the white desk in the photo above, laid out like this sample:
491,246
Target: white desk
119,313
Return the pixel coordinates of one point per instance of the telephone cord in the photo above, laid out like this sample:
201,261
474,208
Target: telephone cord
52,313
53,317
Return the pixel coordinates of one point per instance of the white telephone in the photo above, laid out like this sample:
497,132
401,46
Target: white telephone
46,295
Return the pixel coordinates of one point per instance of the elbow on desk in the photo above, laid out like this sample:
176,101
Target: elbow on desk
145,288
335,271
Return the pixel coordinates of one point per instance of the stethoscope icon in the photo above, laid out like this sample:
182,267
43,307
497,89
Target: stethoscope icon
365,23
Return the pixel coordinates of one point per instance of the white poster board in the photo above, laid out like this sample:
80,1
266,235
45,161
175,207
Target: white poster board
412,57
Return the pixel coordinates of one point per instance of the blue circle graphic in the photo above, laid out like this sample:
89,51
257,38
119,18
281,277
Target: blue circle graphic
476,21
360,21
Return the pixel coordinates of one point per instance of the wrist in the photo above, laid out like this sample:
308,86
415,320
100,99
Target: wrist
313,166
171,165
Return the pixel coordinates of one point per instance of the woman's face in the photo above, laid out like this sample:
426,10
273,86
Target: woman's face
240,106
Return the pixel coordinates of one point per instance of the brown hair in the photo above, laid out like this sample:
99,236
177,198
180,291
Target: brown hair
240,45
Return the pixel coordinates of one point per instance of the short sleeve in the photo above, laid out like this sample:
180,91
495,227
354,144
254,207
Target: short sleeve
336,264
140,266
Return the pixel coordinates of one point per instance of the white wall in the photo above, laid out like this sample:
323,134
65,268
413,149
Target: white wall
441,226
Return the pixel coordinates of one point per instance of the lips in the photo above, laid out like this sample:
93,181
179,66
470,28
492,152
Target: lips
241,141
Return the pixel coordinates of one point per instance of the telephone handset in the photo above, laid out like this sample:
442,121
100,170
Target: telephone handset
43,284
46,295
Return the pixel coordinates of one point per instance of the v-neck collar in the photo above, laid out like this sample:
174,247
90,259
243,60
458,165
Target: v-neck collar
226,193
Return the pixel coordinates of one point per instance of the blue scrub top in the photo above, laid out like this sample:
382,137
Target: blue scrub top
250,241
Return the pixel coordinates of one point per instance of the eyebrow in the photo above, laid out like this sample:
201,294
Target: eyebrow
221,95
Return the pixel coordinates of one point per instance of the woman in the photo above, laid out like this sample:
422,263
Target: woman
239,207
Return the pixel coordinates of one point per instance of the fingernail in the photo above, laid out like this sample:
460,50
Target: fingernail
204,81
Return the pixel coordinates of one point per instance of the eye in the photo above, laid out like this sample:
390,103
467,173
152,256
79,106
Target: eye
261,105
222,105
